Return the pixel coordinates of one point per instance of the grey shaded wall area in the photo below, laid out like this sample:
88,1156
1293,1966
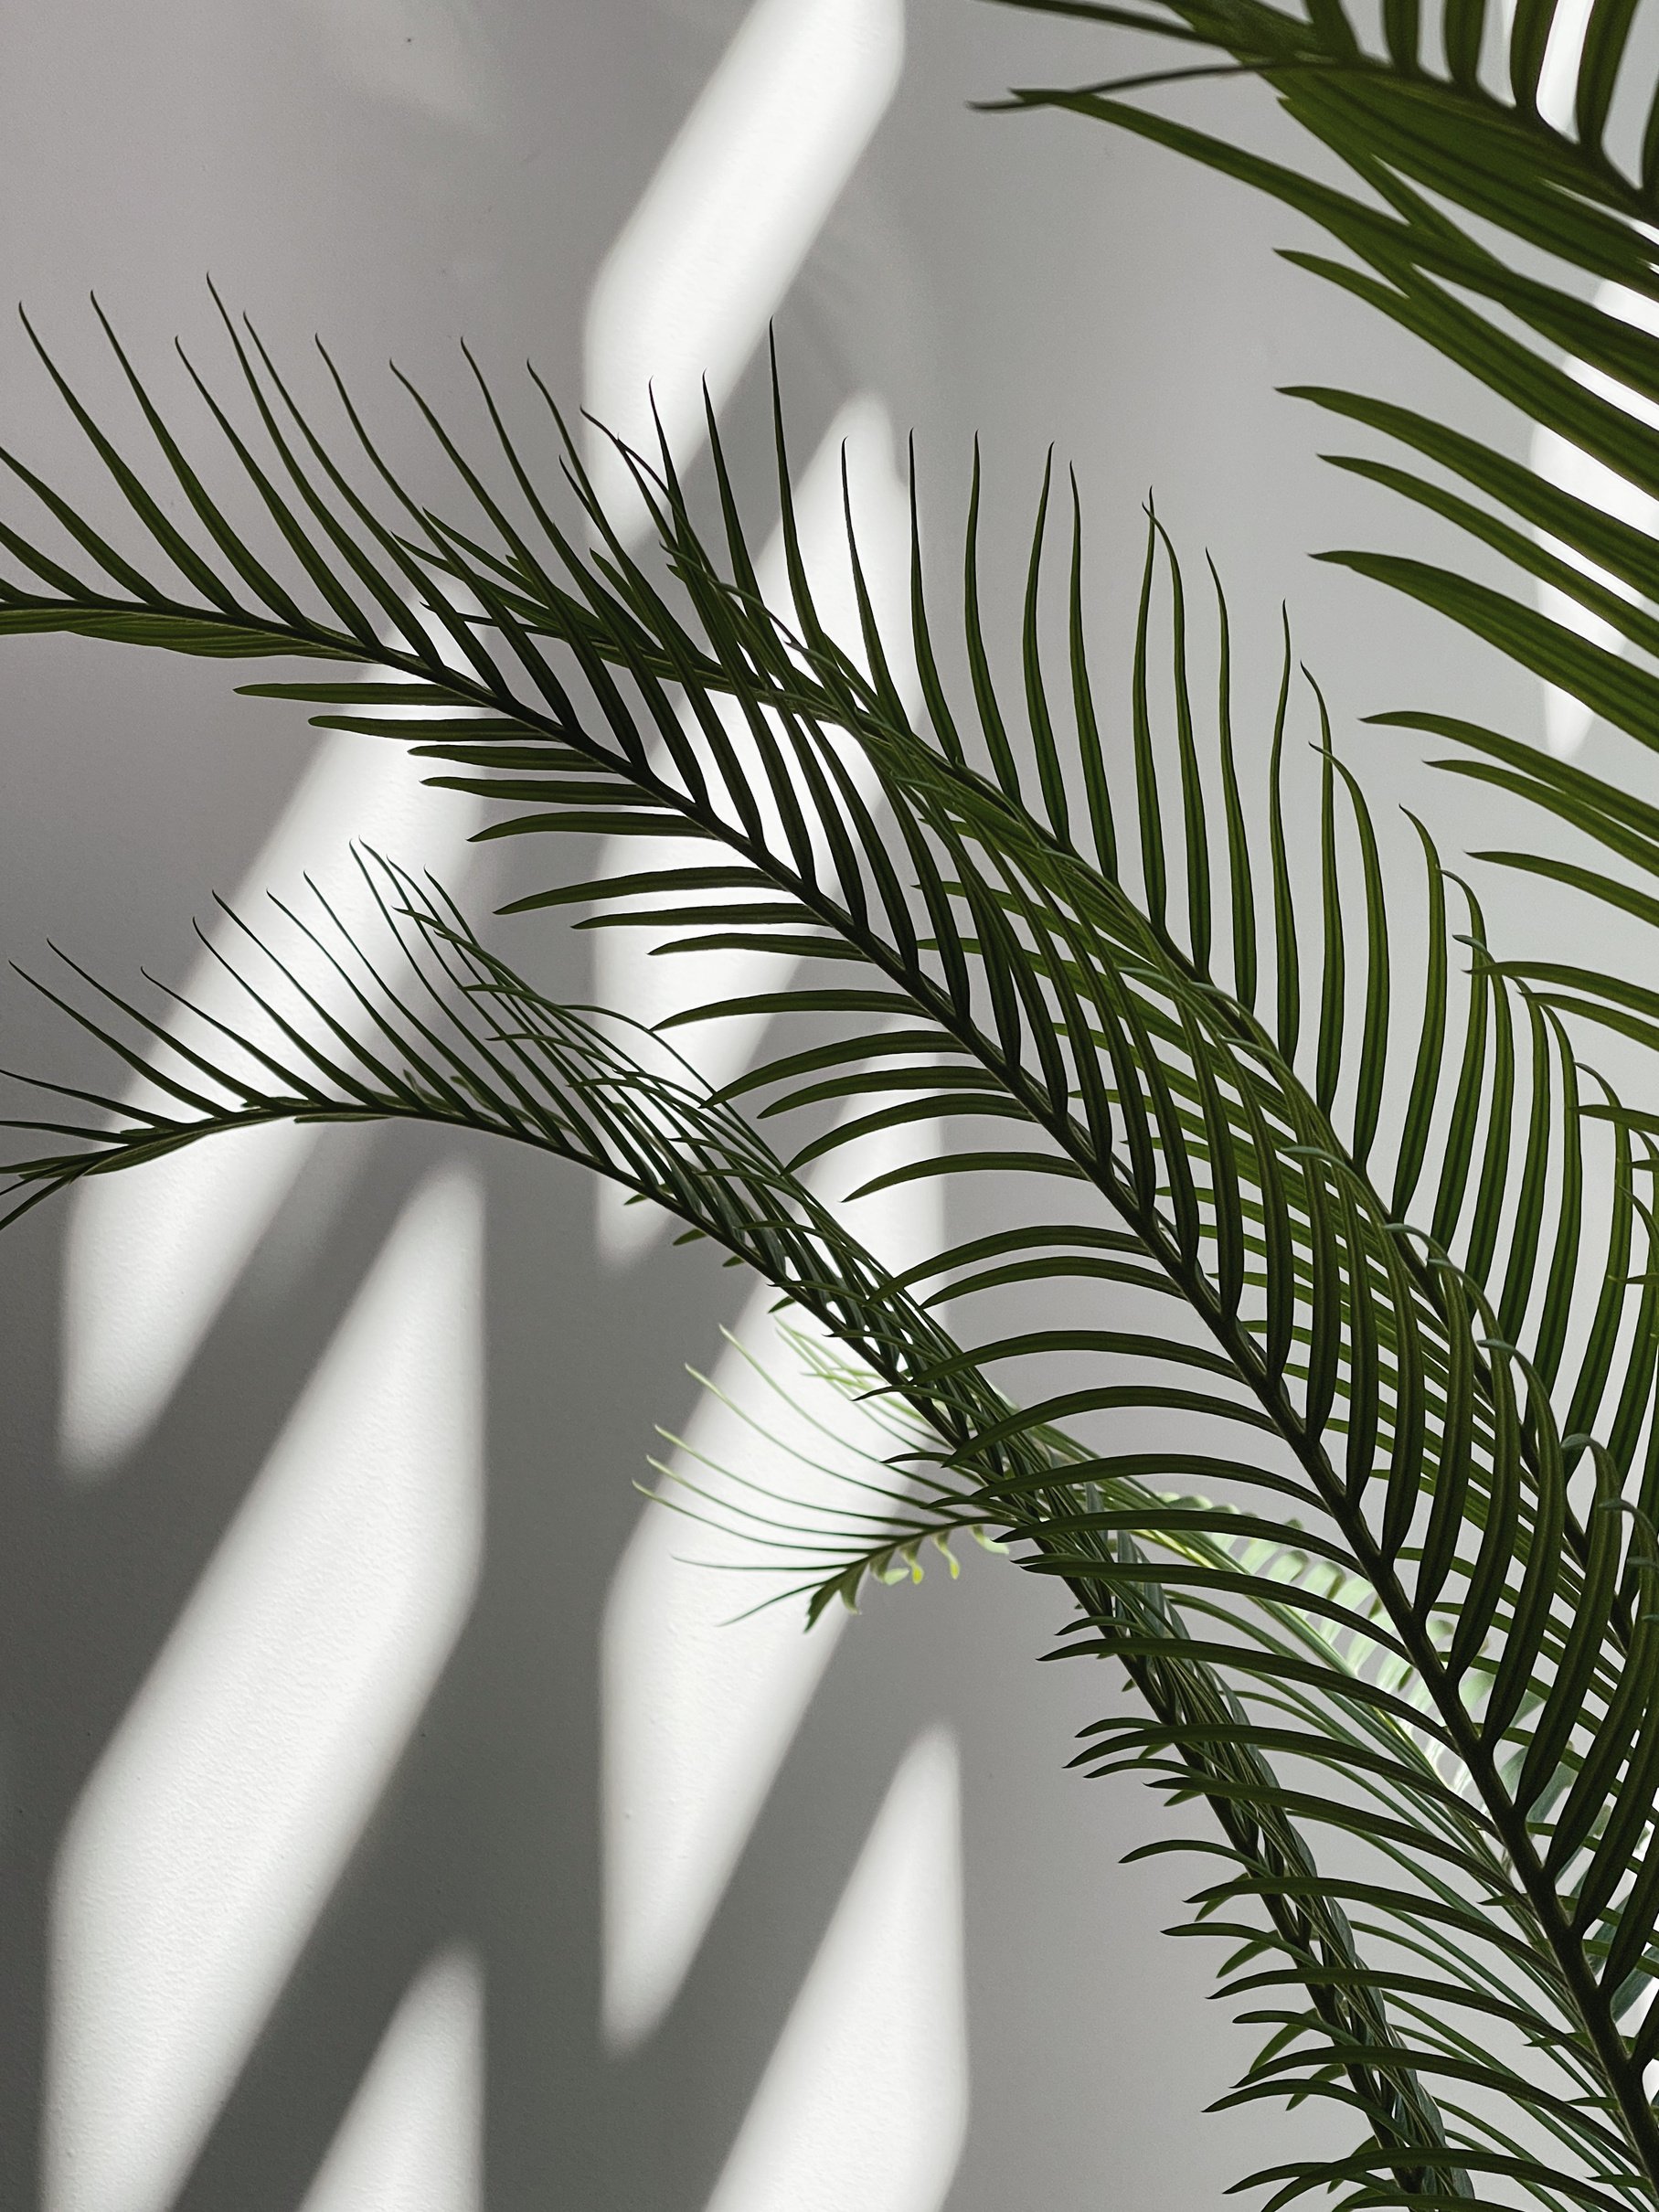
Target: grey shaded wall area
397,174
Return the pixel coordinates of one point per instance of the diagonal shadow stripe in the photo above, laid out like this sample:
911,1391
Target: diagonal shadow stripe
1566,720
401,1905
708,254
151,1259
628,971
221,1812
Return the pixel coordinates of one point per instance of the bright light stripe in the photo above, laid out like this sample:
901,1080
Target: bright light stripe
700,1709
413,2140
864,2101
1567,719
627,973
1563,52
707,256
151,1257
227,1802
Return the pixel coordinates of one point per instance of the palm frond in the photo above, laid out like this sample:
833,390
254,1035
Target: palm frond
1460,182
1407,1610
459,1039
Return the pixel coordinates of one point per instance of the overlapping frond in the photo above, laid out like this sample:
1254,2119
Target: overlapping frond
457,1038
1397,1600
1507,175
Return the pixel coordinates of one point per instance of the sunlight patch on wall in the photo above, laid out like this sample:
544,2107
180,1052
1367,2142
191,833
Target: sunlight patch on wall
706,257
628,974
413,2140
698,1709
1566,720
151,1257
865,2100
1558,72
231,1794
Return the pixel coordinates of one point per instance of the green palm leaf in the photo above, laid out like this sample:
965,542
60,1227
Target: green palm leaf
1401,1637
465,1042
1430,142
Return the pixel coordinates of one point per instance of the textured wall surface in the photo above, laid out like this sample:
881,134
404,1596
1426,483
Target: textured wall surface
385,1823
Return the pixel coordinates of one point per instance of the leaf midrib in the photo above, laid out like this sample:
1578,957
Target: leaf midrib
1235,1341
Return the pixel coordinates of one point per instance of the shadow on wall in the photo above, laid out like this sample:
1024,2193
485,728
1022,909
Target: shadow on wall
382,1892
393,1824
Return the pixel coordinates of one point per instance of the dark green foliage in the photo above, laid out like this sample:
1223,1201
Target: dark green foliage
1386,1608
1428,142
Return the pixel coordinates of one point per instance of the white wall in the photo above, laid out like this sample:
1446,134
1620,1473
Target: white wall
322,1558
